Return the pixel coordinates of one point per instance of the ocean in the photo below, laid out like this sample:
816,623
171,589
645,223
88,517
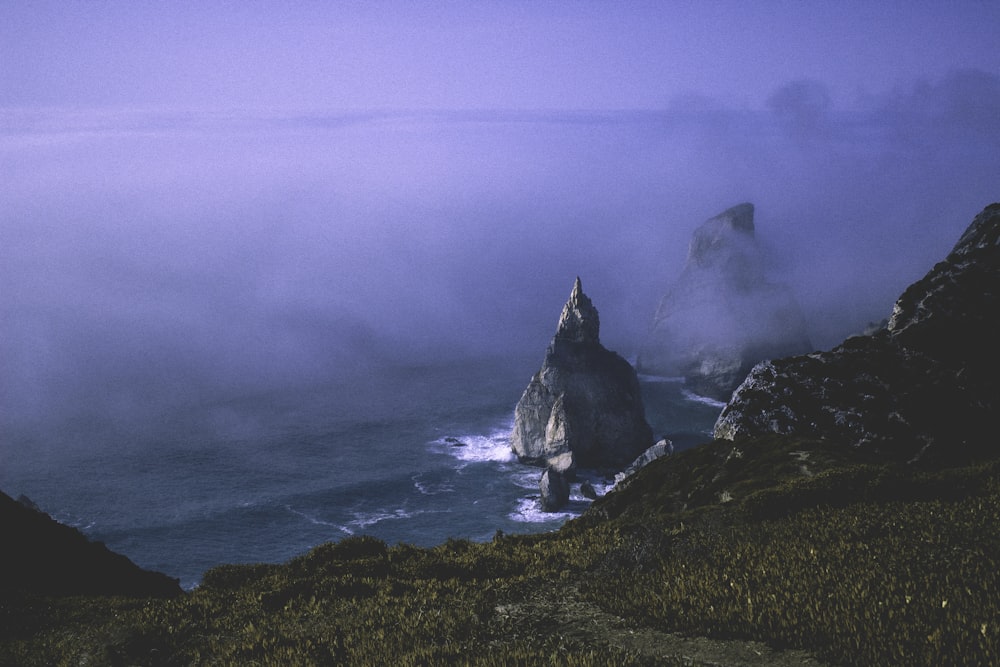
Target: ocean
197,307
406,453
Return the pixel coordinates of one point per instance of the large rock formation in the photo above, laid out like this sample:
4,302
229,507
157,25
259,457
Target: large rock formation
927,385
583,407
722,315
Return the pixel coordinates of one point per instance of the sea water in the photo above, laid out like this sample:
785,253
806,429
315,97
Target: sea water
406,453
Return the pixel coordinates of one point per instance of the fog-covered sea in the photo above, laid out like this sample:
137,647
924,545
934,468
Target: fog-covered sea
412,454
203,311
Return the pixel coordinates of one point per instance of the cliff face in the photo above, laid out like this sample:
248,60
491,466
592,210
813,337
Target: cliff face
43,557
931,377
722,315
584,406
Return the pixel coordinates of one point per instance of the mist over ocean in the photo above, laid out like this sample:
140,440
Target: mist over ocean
414,454
229,337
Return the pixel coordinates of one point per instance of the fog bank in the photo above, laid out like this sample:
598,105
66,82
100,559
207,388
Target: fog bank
160,258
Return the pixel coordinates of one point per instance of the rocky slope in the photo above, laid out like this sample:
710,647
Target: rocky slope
584,406
925,387
780,552
723,314
43,557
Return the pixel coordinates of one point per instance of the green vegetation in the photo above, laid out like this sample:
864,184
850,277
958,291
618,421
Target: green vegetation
792,543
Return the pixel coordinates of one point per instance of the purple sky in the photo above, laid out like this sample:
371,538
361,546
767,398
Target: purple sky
199,198
475,55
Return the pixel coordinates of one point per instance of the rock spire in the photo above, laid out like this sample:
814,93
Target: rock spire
579,322
584,406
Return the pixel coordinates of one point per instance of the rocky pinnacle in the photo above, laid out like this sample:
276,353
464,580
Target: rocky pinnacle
583,407
579,321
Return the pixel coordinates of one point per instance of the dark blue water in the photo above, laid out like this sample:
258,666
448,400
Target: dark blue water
411,454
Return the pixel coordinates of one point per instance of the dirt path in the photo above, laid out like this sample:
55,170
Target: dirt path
579,622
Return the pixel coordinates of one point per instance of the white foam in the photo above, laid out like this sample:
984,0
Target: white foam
474,448
429,489
346,530
529,510
74,521
527,478
314,520
691,396
363,520
360,521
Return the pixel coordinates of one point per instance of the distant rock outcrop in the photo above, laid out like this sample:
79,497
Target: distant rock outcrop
722,315
925,386
584,406
43,557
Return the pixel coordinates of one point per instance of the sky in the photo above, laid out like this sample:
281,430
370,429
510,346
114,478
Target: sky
475,55
200,199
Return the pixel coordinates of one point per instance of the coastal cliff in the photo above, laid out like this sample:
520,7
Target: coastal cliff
927,386
723,314
40,556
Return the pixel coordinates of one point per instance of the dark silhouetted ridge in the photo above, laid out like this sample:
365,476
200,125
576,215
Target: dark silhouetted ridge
41,556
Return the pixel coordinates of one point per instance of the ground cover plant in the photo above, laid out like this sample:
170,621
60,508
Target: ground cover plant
781,547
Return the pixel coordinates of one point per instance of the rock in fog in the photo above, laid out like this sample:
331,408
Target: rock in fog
926,386
723,314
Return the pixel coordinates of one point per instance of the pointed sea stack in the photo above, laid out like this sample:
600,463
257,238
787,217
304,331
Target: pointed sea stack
584,406
722,315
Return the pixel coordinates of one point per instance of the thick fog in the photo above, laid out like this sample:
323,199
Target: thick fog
150,258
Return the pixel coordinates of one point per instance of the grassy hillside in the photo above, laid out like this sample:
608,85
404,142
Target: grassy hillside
774,551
